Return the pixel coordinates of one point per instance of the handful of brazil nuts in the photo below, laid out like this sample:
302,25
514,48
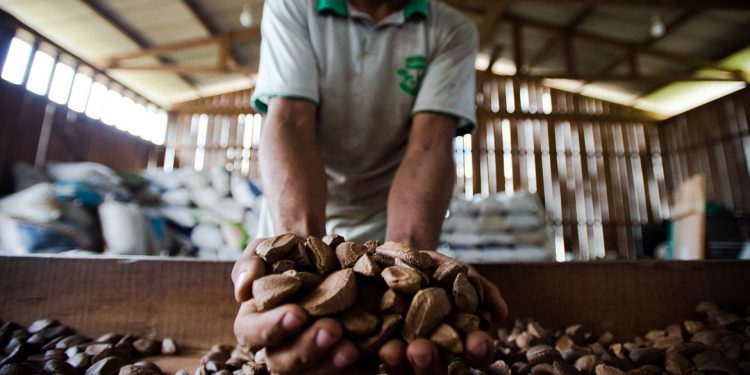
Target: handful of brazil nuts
376,291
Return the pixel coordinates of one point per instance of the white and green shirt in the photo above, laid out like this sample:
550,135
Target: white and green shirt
367,80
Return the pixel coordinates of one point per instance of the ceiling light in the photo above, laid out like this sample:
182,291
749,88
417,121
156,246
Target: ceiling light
657,28
246,17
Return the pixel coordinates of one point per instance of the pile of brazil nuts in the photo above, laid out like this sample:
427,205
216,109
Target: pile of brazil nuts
376,291
717,343
49,347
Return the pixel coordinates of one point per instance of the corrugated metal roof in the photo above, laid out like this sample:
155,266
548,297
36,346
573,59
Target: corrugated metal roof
708,35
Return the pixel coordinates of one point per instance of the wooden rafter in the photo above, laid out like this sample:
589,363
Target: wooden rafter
236,102
133,35
188,44
627,77
631,55
489,22
675,4
558,38
187,68
497,51
211,27
581,34
518,44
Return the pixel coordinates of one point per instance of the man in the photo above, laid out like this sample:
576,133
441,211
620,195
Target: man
363,100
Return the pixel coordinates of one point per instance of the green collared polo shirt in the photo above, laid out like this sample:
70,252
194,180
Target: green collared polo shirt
367,79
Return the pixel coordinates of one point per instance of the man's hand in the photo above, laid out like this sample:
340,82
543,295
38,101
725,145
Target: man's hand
290,348
423,357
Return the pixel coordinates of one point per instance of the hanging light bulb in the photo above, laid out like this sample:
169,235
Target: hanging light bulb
657,28
246,17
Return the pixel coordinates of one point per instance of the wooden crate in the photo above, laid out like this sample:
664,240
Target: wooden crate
191,300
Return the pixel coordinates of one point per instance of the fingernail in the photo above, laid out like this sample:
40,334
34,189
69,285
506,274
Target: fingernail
480,350
240,279
325,340
341,361
390,361
291,321
423,361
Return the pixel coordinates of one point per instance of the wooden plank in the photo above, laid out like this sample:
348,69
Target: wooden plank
570,116
192,69
664,78
154,295
489,22
518,50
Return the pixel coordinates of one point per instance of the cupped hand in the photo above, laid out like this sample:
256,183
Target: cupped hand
423,357
290,347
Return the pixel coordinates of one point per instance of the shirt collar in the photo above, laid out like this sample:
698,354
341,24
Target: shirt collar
341,8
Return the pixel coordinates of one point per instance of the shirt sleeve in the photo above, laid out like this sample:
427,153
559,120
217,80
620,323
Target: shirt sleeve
449,83
288,66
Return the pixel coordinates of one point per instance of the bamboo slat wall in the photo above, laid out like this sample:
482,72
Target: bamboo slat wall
596,166
713,140
221,130
601,170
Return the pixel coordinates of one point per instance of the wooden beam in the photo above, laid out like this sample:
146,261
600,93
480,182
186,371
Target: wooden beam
557,38
518,45
174,47
599,118
225,46
188,69
674,57
119,24
467,6
623,78
211,27
497,51
570,55
632,52
489,22
212,110
478,8
694,4
216,105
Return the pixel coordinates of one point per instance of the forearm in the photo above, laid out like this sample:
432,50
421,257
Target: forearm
291,169
422,189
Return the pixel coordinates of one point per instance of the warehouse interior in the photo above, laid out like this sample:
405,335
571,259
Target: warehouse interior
597,112
600,216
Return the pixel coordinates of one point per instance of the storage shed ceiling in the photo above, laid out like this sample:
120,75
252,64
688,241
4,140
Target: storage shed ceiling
97,30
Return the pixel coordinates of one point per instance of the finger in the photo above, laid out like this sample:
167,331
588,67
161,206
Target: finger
260,329
341,358
345,355
492,296
424,358
437,257
479,349
246,270
306,351
393,356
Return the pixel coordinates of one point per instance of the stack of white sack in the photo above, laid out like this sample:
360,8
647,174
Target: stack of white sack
503,227
216,209
89,208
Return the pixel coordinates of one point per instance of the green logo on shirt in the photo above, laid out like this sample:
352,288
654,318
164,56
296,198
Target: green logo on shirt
412,74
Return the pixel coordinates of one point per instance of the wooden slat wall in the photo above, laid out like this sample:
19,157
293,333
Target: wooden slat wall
601,170
74,137
596,166
220,130
713,140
